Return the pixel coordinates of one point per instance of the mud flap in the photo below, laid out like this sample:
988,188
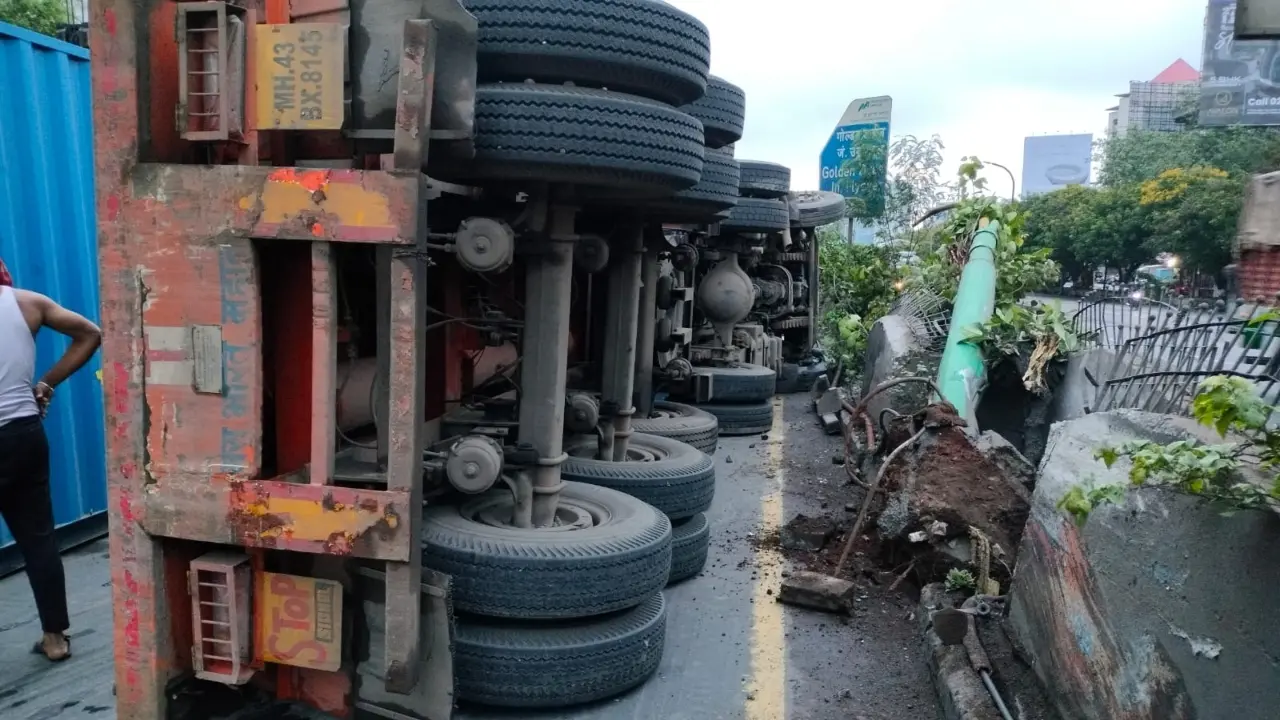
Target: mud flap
432,696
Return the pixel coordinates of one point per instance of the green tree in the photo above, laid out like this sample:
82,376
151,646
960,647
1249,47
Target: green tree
1053,222
1194,214
1115,230
896,185
915,184
1139,156
42,16
857,287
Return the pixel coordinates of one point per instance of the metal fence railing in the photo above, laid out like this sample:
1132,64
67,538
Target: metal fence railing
1164,349
926,314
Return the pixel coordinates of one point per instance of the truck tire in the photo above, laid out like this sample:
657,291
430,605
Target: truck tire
740,382
739,420
547,665
722,112
677,479
690,544
508,572
717,190
642,47
811,209
715,193
764,179
557,134
799,378
685,423
753,215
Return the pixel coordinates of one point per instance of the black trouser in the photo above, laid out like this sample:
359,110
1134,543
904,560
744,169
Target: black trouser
27,508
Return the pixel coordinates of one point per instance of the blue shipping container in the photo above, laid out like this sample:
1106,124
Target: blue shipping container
48,238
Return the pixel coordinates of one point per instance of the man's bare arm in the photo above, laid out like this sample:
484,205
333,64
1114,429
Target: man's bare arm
85,337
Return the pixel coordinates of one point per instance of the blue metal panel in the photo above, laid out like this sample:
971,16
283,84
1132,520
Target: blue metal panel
48,239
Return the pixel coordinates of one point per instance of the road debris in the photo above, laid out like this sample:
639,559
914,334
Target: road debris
818,592
807,533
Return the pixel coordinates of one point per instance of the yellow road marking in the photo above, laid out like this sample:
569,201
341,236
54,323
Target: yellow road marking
767,688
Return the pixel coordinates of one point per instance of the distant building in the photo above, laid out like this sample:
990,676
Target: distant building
1158,103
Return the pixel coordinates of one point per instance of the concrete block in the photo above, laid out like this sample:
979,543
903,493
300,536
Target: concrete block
893,351
818,592
1005,456
1160,609
830,423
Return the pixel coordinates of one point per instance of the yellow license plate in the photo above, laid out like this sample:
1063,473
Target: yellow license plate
298,76
299,621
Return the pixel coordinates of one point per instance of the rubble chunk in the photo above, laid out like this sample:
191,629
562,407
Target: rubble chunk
807,533
818,592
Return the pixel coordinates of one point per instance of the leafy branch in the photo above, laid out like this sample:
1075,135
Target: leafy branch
1019,270
1229,405
1042,331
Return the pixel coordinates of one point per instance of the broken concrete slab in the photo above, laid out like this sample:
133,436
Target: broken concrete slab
807,533
1159,609
895,351
1005,456
818,592
947,479
829,402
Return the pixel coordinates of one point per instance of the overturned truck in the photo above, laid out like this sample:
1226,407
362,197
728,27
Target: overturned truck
396,314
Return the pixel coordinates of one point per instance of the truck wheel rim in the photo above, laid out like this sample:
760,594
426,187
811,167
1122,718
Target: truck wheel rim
571,514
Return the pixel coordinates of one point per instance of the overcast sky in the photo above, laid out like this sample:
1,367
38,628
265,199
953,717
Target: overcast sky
983,74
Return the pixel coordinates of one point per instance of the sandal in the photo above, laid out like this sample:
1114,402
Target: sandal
38,649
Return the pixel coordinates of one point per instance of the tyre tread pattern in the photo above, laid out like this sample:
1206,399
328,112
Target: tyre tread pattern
764,180
644,47
557,665
740,382
681,485
591,137
738,420
757,215
566,577
722,112
718,188
690,545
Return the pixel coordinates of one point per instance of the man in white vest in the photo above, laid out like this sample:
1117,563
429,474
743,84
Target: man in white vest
25,501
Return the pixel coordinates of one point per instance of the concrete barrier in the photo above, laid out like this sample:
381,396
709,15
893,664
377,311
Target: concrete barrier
1160,609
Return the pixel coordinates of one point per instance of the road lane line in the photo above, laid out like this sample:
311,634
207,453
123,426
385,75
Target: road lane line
767,688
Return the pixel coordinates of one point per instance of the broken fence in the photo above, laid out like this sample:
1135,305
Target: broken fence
1165,347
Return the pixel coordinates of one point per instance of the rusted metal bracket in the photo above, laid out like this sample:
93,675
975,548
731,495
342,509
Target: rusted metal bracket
406,346
360,206
300,517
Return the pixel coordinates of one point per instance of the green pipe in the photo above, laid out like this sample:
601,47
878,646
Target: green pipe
962,373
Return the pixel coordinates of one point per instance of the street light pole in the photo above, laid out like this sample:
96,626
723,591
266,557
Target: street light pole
1013,195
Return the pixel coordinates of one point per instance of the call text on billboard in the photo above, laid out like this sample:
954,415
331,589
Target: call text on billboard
1240,83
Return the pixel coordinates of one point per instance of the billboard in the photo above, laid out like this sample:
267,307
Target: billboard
1240,83
866,120
1050,162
